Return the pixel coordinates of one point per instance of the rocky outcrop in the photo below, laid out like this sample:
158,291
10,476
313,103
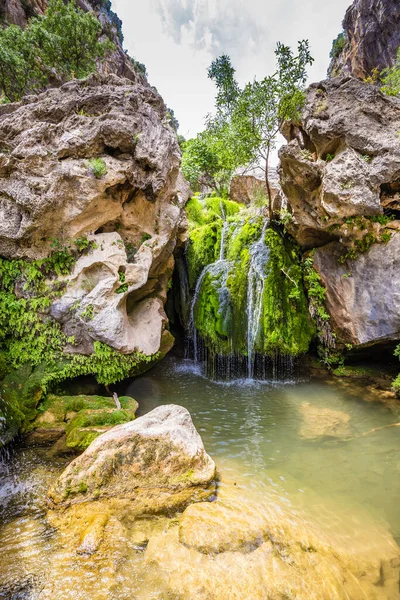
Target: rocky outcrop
372,29
157,461
71,423
340,172
363,295
342,159
95,161
248,186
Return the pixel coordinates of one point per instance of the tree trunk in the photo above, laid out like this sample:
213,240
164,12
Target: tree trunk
270,209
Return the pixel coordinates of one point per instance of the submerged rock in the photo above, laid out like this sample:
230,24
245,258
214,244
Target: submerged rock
320,422
244,550
157,461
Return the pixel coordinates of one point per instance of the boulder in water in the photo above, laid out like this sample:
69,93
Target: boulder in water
157,461
319,422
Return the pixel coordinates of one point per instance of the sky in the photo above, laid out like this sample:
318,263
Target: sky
178,39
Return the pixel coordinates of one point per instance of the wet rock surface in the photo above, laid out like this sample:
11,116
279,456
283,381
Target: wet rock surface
157,461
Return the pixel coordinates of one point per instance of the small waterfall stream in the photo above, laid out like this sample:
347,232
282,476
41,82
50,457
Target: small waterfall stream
219,270
219,267
255,289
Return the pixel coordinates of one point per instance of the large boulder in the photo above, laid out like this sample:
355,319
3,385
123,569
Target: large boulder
248,186
363,295
372,29
157,461
96,163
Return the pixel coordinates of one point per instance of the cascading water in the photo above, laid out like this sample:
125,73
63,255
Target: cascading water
259,253
248,313
219,271
219,268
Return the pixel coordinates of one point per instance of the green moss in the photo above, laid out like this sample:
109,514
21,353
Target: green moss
89,424
220,313
222,207
286,326
195,212
203,248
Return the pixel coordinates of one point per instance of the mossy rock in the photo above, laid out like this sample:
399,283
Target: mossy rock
81,417
220,312
21,392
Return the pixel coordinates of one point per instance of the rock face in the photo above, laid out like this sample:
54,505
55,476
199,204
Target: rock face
343,160
373,37
247,186
157,461
340,172
131,210
363,296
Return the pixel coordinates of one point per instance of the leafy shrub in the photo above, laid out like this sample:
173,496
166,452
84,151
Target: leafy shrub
97,167
390,78
64,40
338,44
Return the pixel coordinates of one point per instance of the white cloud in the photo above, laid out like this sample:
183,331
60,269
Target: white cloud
178,39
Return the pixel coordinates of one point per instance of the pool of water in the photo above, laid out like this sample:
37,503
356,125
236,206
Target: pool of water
306,443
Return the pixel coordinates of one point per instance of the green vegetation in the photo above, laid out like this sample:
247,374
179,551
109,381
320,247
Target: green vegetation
65,41
220,313
390,78
97,167
247,121
338,44
32,343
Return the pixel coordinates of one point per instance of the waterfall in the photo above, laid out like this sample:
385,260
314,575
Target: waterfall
259,253
213,268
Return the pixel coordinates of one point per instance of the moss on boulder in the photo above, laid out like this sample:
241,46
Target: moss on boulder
80,418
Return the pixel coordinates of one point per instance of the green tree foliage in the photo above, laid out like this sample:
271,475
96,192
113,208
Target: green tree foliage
338,44
248,121
210,158
63,42
390,78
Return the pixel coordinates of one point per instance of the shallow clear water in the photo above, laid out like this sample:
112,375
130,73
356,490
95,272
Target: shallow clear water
257,429
300,442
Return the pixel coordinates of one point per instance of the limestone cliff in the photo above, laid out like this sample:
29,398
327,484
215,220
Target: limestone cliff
340,172
372,34
131,209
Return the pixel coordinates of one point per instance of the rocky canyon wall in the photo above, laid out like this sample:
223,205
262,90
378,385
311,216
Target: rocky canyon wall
372,37
341,174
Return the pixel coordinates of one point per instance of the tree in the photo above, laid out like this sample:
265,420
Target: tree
211,158
64,41
248,121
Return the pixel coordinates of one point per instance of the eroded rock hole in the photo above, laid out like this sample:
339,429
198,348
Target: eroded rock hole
390,198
